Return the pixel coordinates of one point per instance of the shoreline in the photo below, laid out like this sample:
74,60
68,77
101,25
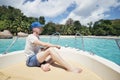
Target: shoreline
72,36
104,37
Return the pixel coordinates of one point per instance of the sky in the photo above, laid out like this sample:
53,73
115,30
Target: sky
58,11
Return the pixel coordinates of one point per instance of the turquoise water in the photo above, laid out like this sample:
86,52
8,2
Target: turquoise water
106,48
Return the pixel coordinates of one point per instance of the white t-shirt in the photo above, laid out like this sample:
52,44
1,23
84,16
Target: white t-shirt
30,47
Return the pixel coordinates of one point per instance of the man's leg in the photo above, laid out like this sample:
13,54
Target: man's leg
56,57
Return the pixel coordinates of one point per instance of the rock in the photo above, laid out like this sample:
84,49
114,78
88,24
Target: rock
6,34
22,34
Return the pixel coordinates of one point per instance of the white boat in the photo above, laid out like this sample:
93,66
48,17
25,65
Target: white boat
12,66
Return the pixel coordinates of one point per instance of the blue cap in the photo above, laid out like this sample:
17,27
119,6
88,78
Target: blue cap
36,25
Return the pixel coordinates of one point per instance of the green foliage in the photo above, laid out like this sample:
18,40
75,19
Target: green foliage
13,20
49,28
106,27
77,26
100,32
42,19
2,23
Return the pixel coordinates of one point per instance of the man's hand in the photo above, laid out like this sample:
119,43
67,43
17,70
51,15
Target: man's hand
57,46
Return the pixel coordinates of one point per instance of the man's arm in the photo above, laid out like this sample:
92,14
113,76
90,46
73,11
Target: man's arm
44,44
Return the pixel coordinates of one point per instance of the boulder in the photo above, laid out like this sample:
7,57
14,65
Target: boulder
6,34
22,34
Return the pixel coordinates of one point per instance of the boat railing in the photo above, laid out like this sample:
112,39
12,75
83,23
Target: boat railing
118,43
9,47
57,35
78,36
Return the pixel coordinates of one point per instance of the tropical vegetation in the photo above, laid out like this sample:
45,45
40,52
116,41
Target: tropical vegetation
14,20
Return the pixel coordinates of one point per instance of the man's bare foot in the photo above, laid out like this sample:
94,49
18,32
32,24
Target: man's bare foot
45,67
76,70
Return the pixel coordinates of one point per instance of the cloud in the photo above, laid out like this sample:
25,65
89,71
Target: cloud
50,8
36,8
91,10
14,3
85,10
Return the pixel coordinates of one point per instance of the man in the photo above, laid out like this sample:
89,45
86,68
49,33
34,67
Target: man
37,56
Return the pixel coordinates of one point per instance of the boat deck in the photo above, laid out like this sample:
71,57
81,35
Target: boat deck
20,71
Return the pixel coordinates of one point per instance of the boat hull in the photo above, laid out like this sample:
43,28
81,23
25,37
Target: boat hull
107,70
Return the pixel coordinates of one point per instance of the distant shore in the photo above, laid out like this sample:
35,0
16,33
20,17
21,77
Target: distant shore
103,37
